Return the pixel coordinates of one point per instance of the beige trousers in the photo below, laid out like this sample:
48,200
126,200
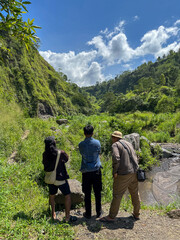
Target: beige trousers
120,185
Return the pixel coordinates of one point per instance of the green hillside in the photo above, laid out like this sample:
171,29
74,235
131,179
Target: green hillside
151,87
27,79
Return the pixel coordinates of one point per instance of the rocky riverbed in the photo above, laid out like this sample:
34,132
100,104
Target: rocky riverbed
163,181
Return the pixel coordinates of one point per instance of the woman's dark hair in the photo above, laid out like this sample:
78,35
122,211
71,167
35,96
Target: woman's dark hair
50,144
88,129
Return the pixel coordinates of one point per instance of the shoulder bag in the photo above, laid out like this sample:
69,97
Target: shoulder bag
50,177
141,175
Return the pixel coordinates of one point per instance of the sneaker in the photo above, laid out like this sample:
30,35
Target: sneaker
86,216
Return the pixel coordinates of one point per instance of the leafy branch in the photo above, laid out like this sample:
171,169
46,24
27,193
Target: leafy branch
11,21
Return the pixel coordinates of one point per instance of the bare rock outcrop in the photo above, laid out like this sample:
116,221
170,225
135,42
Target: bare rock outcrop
61,121
134,139
44,111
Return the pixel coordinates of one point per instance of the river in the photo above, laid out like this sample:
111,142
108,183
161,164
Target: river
163,182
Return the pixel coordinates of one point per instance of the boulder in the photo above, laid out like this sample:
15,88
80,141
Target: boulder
61,121
53,128
166,153
44,111
172,147
174,213
134,139
77,195
145,139
167,150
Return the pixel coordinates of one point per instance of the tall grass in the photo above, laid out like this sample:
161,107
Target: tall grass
23,195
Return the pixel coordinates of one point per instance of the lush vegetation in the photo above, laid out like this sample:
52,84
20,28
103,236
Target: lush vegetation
23,194
151,87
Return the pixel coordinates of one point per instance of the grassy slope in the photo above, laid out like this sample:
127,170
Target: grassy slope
26,78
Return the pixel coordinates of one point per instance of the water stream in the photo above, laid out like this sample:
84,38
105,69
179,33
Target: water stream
163,183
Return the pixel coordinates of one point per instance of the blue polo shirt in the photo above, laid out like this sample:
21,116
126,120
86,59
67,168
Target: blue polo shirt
90,149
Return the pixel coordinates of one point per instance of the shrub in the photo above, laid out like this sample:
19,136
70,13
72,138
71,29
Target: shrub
165,104
146,157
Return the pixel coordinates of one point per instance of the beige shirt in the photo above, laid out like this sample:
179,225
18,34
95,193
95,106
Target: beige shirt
121,162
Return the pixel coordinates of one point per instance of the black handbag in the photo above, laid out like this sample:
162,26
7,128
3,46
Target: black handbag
141,175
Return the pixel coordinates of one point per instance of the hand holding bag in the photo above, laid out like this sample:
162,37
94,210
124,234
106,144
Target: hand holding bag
141,175
50,177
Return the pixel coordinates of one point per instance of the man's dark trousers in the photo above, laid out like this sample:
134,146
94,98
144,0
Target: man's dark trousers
89,180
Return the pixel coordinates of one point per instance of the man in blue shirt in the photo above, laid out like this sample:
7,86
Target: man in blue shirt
91,171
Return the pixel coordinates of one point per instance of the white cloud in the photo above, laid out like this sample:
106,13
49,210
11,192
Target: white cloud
144,61
112,48
119,49
100,45
92,75
127,66
104,31
116,50
135,18
164,51
80,68
177,22
153,42
117,29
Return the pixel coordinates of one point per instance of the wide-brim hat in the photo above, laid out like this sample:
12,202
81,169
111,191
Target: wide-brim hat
116,134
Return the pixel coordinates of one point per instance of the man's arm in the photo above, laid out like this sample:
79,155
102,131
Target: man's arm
99,147
80,148
115,159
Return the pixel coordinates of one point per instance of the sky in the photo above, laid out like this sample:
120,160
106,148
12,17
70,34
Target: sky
95,40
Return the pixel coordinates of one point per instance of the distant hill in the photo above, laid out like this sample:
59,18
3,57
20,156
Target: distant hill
151,87
27,79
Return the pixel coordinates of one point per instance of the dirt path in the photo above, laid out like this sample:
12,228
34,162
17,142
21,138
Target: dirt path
152,225
11,159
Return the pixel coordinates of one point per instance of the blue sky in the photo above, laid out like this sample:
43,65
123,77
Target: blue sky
95,40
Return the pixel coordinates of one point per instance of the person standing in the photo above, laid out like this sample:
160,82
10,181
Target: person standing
124,175
91,171
49,160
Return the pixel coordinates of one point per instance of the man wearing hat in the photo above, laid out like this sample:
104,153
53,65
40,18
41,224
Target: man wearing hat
125,165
